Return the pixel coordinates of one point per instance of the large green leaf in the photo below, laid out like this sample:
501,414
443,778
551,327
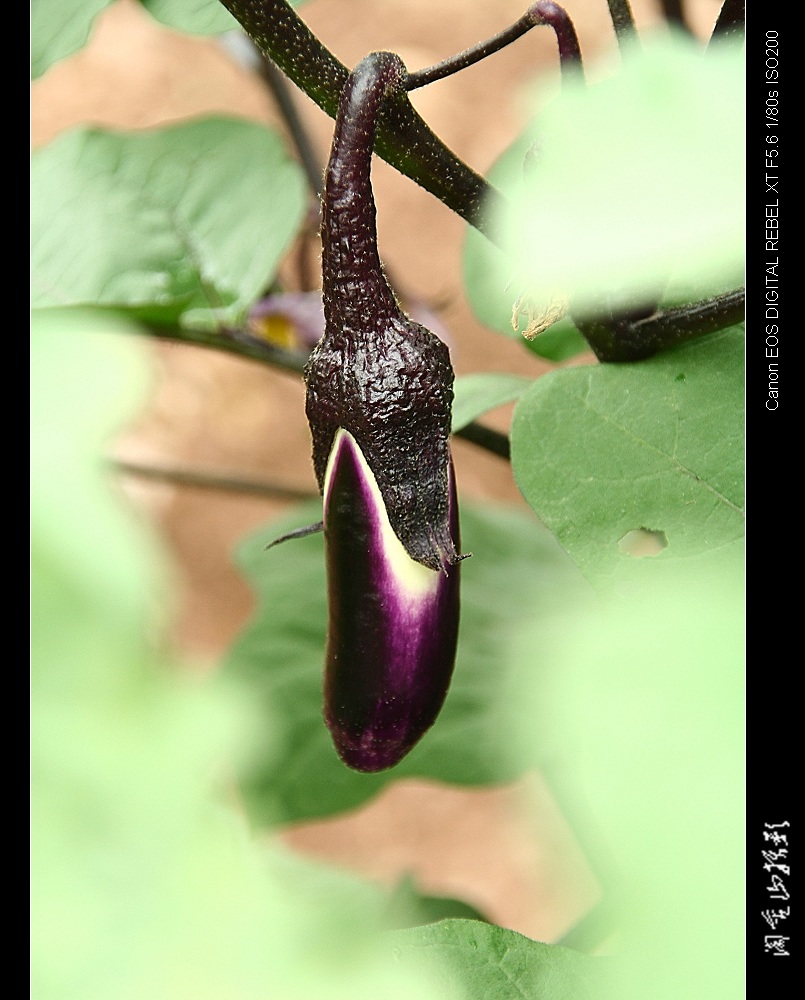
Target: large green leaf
493,285
59,28
81,387
643,707
484,962
144,880
615,204
516,573
638,179
408,907
182,223
482,391
197,17
655,447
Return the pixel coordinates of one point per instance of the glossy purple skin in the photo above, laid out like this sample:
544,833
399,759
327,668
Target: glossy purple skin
390,646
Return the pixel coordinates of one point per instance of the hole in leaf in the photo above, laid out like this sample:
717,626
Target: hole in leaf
643,542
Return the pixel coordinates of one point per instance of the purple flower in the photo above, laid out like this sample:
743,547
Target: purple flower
294,320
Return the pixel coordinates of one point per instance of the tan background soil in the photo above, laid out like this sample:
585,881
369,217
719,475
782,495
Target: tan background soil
212,412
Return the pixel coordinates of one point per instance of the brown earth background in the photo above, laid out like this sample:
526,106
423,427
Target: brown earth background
520,866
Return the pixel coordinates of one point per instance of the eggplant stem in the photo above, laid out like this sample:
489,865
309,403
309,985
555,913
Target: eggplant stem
540,13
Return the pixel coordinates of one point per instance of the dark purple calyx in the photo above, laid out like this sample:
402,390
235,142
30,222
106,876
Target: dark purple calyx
376,373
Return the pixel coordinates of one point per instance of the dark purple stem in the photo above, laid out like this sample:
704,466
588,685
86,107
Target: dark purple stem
730,23
403,138
352,277
406,142
569,48
277,83
542,12
674,14
634,338
623,21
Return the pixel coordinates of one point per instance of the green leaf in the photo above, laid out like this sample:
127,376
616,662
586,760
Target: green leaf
59,28
475,394
620,199
197,17
516,573
482,962
656,447
493,286
643,709
558,343
407,907
81,388
186,223
144,881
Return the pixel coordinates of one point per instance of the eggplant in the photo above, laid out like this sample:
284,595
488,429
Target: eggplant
379,391
393,622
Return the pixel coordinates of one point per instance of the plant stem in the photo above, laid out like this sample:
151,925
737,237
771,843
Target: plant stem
569,49
675,326
355,292
730,22
486,438
237,342
276,83
231,483
674,14
406,142
623,21
623,339
403,138
542,12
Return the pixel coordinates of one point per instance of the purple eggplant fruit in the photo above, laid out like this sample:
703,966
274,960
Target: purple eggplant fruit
393,622
379,397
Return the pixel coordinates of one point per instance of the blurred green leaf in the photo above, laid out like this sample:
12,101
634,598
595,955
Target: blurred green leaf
643,709
408,907
493,286
476,394
59,28
186,223
197,17
145,882
656,446
491,963
78,394
517,572
638,178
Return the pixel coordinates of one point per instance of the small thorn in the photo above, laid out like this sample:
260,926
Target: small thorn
309,529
